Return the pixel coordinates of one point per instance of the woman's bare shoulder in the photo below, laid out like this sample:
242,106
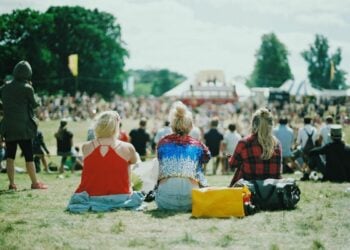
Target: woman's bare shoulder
126,150
126,146
87,148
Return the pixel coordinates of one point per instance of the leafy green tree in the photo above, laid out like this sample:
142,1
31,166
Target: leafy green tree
23,36
323,68
47,39
271,67
96,38
163,83
158,81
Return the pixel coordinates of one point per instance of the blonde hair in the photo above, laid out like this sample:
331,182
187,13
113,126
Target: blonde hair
107,124
180,118
262,126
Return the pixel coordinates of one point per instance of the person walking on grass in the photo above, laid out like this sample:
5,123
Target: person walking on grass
18,126
228,145
285,136
139,138
213,139
166,130
307,138
64,139
39,147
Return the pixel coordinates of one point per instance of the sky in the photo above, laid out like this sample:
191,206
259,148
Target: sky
187,36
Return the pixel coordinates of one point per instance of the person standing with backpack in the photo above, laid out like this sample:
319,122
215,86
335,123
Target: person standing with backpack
307,137
19,126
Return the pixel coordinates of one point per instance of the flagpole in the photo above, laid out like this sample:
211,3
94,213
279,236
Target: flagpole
76,84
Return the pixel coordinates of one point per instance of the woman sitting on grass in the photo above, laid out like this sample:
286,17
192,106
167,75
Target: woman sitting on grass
181,158
105,181
259,155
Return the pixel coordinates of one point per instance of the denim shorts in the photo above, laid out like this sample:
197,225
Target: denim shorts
175,194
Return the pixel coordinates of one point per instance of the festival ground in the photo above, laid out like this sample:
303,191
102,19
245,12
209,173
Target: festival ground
37,219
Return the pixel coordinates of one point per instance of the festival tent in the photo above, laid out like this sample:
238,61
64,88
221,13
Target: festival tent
299,89
242,90
206,84
287,85
328,93
179,89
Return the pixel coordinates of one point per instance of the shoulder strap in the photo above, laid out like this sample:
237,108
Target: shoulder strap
117,145
309,135
93,143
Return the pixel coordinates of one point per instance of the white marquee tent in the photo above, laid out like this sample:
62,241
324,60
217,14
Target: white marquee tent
179,90
210,84
304,88
299,89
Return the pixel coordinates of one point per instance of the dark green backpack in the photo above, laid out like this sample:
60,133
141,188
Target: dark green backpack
273,194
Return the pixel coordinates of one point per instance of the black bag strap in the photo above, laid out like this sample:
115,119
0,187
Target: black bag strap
309,135
257,190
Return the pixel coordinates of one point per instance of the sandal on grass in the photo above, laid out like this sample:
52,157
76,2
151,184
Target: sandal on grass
39,185
13,187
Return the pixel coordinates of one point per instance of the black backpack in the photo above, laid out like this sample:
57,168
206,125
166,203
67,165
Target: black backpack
273,194
309,143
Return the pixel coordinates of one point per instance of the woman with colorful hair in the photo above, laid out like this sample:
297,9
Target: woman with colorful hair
259,155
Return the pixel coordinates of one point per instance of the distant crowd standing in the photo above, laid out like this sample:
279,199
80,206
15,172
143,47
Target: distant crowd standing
240,139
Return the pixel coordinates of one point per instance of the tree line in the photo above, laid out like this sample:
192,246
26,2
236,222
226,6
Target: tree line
154,82
46,39
272,68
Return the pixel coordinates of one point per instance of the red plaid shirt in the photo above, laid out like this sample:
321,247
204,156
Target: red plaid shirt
250,166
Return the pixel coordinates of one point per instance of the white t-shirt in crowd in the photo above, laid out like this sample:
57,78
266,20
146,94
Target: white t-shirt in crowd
231,140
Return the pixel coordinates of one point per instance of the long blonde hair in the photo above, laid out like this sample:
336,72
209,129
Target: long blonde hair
180,118
262,126
107,124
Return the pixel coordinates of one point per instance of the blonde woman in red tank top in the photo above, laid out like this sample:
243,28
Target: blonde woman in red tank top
105,181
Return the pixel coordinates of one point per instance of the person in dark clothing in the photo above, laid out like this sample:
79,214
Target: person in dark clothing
39,147
213,140
64,139
337,157
18,126
139,139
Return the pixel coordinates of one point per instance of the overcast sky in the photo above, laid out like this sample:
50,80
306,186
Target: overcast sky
191,35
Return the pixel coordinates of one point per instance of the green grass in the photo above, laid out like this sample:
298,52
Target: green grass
33,219
37,220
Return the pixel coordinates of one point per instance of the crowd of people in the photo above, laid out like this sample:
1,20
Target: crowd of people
246,141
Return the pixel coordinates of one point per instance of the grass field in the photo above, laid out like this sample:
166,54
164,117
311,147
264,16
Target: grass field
32,219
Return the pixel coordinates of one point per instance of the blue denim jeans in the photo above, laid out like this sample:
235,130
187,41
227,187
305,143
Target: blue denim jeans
175,194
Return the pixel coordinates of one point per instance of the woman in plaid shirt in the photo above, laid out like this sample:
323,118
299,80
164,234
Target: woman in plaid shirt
259,155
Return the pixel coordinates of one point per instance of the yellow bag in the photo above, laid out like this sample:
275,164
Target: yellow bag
219,201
